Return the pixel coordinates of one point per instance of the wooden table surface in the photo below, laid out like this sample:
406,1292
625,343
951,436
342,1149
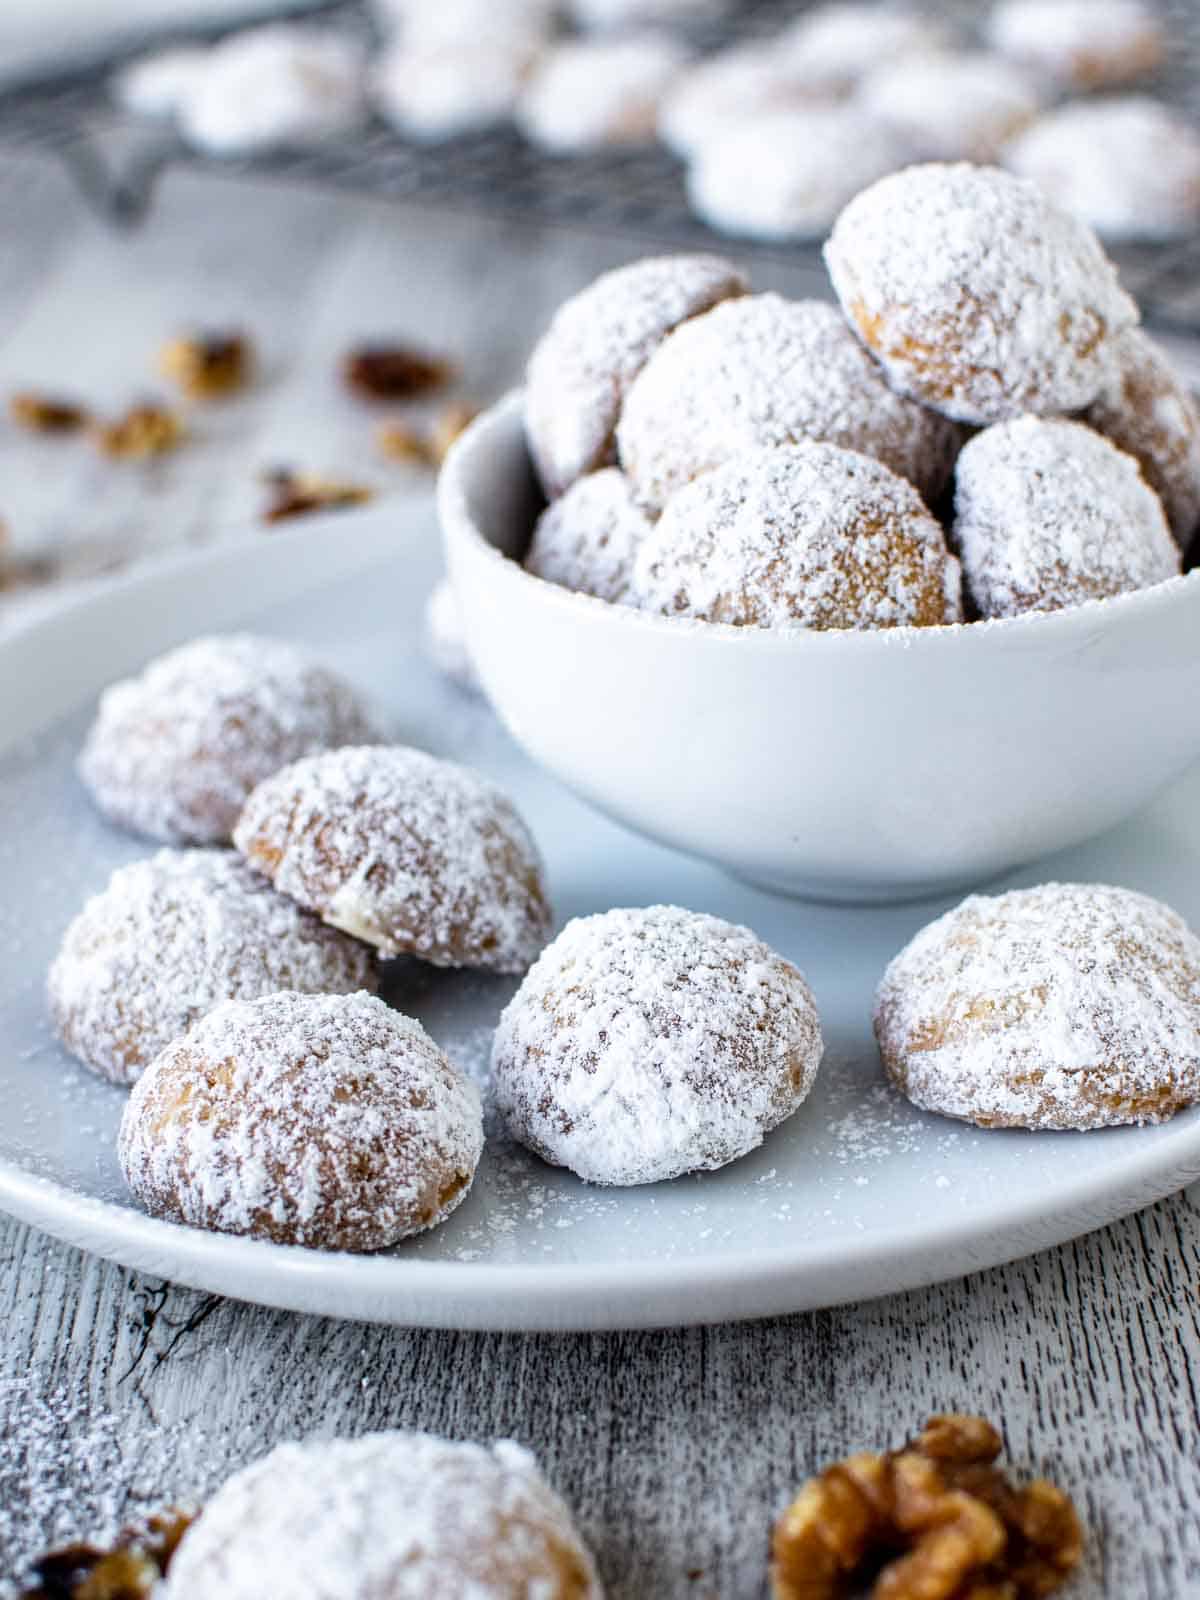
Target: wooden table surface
676,1447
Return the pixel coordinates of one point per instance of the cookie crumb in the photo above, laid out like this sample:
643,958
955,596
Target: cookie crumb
208,364
295,494
133,1567
394,371
46,413
146,429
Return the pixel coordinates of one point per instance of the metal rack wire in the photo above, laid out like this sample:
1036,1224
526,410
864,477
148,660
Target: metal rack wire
118,161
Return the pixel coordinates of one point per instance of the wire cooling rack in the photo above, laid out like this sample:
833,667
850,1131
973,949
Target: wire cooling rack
118,159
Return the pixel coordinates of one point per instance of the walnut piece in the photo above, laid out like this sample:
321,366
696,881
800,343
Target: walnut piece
402,441
935,1520
145,430
294,494
136,1562
45,413
394,371
207,365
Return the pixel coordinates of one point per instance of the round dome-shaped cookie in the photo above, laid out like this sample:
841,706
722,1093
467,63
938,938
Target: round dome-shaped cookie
1063,1006
785,173
950,106
980,296
1080,44
449,90
170,937
328,1121
710,100
1048,514
768,371
414,855
1129,167
1149,412
586,93
838,43
385,1517
597,343
174,752
648,1043
588,538
803,536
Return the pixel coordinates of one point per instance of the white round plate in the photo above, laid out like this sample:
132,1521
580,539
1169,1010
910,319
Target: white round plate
857,1195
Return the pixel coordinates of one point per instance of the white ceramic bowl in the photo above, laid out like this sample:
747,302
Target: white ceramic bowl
842,766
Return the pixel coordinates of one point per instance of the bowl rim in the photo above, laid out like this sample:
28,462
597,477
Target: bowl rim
1081,623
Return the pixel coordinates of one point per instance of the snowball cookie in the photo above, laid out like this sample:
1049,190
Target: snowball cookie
802,536
446,639
1072,1005
452,24
1080,44
1148,411
171,936
645,1044
708,101
1048,514
173,753
587,539
950,106
1130,167
586,92
835,45
979,295
768,371
786,173
416,856
279,84
155,85
595,346
391,1516
450,90
322,1120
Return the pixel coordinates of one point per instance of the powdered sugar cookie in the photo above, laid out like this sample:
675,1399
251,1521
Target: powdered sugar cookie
803,536
979,295
587,539
1048,514
275,85
597,343
414,855
1149,412
586,93
648,1043
170,937
1081,44
156,85
712,98
1065,1006
446,639
950,106
767,371
448,91
327,1121
1130,167
458,24
173,753
787,172
837,44
388,1515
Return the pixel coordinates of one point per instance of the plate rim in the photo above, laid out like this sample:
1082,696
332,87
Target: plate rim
727,1285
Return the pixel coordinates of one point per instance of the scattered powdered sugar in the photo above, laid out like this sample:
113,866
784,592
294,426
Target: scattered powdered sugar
1130,166
951,106
174,753
587,539
1149,412
596,344
835,44
767,371
785,172
980,296
1063,1006
644,1044
1049,514
406,1516
446,638
1085,43
415,855
171,936
323,1120
587,92
804,536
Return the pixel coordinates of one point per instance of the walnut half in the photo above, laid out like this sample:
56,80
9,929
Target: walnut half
935,1520
129,1570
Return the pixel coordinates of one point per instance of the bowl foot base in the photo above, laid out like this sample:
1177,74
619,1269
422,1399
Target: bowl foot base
832,893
